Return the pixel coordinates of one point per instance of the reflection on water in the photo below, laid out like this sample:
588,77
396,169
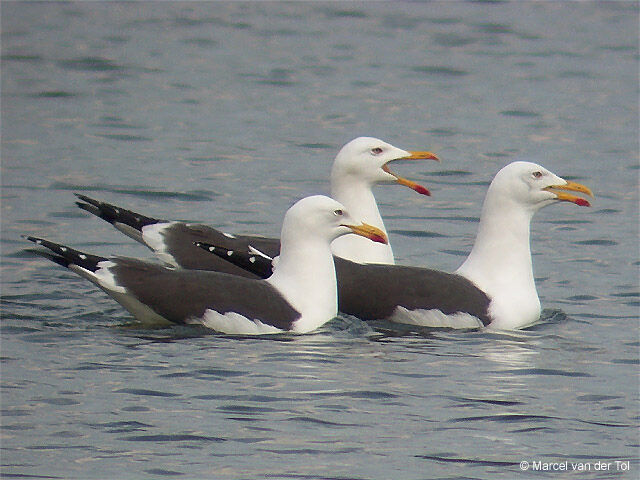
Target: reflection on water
510,353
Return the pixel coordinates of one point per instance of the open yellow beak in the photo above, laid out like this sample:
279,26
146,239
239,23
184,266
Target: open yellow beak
422,156
369,231
567,197
408,183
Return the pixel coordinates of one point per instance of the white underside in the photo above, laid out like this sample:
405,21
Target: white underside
434,319
142,313
233,323
153,236
104,279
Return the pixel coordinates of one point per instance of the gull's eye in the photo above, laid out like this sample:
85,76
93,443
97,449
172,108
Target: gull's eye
537,174
338,213
376,150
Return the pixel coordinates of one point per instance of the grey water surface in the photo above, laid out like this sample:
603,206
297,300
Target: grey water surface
226,113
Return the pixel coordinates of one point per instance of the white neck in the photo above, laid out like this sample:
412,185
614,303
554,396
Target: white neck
305,275
357,197
500,263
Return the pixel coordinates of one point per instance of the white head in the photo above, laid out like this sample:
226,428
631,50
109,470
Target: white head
532,187
364,160
359,166
322,218
305,273
500,261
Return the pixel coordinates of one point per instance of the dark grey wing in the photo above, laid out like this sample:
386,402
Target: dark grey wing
180,239
373,291
180,295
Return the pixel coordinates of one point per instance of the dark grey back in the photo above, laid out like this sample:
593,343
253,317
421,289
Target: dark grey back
179,295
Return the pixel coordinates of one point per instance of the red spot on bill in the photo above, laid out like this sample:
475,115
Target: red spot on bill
422,190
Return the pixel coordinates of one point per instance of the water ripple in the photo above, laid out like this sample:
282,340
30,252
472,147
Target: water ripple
546,371
417,233
137,191
318,421
145,392
450,458
92,64
489,401
440,71
175,437
504,418
163,472
121,426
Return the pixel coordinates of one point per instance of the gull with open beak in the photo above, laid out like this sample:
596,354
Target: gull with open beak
359,166
494,287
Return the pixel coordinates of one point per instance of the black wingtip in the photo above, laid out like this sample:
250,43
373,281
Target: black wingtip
50,256
206,246
65,256
93,210
114,214
94,207
32,239
89,200
53,256
256,264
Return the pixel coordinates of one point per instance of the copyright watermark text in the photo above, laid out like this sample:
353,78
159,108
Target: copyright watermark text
569,466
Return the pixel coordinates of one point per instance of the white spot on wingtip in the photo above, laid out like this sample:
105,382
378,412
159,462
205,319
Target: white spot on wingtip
63,249
229,253
83,256
212,248
252,259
